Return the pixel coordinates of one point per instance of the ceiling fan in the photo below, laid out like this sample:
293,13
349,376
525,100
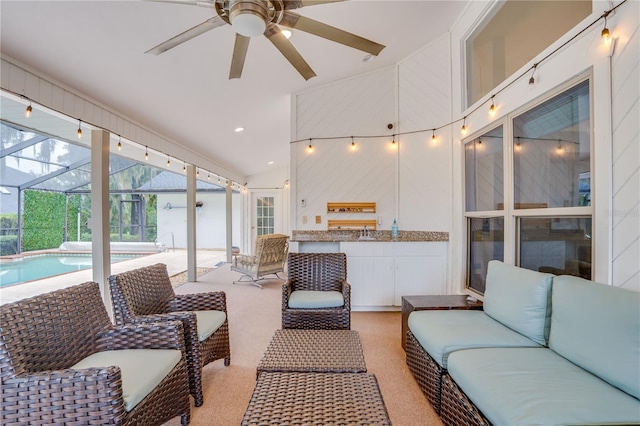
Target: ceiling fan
250,18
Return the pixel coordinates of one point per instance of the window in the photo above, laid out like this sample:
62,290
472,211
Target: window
512,35
265,215
539,213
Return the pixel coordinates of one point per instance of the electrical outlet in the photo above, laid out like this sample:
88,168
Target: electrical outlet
304,220
318,219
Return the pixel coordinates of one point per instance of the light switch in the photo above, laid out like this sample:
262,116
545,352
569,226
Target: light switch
318,219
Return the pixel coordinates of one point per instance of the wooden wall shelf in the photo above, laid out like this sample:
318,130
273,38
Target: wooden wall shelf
351,207
351,224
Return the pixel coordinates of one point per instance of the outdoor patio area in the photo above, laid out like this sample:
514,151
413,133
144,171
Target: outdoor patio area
176,261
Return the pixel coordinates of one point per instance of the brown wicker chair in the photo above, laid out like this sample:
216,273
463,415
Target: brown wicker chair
43,337
269,257
317,272
146,294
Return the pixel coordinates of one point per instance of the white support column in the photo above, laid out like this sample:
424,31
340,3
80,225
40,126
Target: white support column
191,223
100,249
229,220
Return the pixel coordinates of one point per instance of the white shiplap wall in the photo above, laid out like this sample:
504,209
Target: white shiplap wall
626,155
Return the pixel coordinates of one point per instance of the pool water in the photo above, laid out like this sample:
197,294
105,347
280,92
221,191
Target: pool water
48,265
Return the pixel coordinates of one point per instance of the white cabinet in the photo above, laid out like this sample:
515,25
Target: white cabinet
380,273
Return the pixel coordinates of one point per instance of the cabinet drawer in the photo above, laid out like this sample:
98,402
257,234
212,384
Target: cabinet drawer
367,249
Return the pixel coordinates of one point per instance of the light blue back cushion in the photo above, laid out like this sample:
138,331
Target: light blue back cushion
520,299
597,327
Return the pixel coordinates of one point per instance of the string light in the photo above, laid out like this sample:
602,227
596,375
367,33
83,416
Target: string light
119,143
208,176
184,167
27,111
518,146
434,139
492,108
310,147
168,161
559,148
197,172
463,129
146,153
79,129
353,144
393,141
531,79
606,36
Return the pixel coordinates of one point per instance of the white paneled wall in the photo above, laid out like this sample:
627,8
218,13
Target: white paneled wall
333,172
626,156
424,82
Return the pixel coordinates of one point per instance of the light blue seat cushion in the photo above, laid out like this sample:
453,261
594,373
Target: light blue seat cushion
597,327
142,369
208,322
520,299
442,332
306,299
536,386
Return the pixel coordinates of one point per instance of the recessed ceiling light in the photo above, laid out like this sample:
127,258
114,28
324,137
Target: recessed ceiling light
286,33
238,129
270,163
368,58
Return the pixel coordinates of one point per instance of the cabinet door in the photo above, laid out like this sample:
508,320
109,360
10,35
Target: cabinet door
419,275
371,280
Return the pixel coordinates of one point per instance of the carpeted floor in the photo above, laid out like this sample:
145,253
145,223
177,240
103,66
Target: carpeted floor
254,315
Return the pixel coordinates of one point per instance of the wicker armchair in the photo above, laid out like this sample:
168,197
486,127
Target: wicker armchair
269,258
146,295
316,294
49,373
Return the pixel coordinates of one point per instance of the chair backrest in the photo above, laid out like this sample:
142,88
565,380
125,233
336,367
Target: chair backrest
271,253
51,331
317,271
142,291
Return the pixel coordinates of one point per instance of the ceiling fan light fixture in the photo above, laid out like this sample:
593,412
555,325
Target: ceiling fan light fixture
248,17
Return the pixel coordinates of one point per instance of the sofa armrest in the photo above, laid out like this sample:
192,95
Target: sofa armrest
212,301
287,288
155,335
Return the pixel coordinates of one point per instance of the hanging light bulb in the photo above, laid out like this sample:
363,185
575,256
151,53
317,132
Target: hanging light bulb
146,153
28,110
559,148
518,146
120,144
606,36
168,161
310,147
208,176
219,179
79,132
434,139
531,79
353,144
492,108
197,172
184,167
393,141
463,129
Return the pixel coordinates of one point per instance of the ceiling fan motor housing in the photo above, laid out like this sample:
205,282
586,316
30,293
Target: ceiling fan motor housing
249,17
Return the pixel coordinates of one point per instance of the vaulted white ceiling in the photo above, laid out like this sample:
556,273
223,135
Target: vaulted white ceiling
97,48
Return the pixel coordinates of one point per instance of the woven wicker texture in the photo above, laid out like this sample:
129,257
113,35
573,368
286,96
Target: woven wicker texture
323,351
269,257
44,335
425,370
316,399
456,408
317,272
145,294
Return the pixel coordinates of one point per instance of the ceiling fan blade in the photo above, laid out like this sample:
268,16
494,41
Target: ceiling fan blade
288,51
199,29
297,4
239,54
202,3
308,25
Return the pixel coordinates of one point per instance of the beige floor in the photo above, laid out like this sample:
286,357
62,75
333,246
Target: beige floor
176,261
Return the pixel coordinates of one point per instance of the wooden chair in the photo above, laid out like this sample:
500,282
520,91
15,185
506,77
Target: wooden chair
63,362
269,258
316,294
146,294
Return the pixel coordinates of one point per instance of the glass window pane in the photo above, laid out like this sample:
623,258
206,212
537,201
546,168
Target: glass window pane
486,242
552,145
559,245
512,35
484,177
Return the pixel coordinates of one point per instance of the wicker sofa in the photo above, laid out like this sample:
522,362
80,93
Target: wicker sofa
63,362
546,350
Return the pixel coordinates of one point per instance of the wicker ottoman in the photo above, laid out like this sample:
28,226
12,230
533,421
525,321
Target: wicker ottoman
316,399
320,351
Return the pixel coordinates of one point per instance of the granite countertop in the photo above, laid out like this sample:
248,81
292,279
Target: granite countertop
376,236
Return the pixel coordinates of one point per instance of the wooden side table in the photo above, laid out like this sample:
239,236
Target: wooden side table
426,303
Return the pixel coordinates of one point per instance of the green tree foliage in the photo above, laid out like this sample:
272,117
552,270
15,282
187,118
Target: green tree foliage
43,220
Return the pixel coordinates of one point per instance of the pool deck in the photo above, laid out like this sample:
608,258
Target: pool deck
176,262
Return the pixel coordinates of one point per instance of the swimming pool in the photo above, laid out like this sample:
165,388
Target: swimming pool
41,266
